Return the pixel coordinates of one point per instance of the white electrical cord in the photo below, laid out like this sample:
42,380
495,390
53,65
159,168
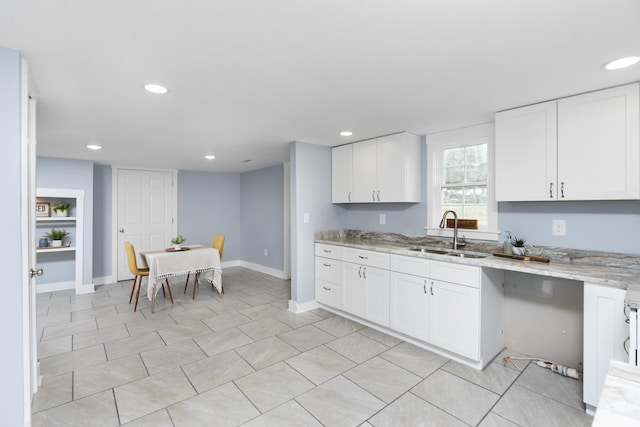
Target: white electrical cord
565,371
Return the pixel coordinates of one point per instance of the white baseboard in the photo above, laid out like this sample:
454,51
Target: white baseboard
261,269
86,288
57,286
104,280
297,308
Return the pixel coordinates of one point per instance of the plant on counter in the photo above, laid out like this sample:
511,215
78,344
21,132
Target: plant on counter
517,244
62,208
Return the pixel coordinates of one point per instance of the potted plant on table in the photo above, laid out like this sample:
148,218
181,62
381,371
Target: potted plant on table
177,241
57,236
61,209
517,244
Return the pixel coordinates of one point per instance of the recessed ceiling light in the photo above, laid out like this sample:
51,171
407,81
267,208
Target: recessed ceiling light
154,88
622,63
346,133
209,157
94,146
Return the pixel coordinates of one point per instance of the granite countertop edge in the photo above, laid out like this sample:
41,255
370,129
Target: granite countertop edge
614,276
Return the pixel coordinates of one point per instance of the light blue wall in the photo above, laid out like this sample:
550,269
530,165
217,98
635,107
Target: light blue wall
610,226
209,204
102,217
310,193
262,216
11,357
70,174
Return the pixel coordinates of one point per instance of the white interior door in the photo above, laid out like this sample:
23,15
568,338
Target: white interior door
146,212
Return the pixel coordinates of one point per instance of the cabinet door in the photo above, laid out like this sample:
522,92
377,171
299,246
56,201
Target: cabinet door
352,288
605,330
376,291
341,173
453,318
599,145
328,293
365,171
525,153
398,163
407,304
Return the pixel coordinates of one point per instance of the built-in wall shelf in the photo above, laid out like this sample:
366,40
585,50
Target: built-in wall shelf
57,219
60,249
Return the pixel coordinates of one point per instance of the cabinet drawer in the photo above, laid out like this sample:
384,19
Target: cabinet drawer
328,293
328,269
372,259
328,251
409,265
467,275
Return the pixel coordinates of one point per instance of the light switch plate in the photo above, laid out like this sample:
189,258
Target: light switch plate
306,218
383,219
558,227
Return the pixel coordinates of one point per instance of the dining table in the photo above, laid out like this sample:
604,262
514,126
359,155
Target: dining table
201,260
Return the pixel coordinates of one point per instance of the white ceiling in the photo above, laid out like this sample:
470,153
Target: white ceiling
246,77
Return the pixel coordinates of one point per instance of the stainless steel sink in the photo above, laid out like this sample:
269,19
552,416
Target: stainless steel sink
463,255
429,251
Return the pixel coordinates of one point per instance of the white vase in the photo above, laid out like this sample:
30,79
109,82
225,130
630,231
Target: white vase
62,213
177,247
56,243
518,250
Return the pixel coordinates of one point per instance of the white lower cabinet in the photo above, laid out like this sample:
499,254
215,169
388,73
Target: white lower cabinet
408,300
328,275
605,332
453,320
365,292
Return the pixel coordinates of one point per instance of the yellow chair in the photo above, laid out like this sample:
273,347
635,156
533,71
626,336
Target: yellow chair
218,243
138,273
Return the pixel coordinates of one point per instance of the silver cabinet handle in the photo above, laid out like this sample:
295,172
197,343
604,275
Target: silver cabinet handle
424,287
121,230
562,190
349,196
551,190
431,288
364,272
326,289
363,257
373,195
360,272
39,272
378,195
327,265
327,251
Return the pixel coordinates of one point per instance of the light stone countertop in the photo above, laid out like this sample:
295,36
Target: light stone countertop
617,270
619,403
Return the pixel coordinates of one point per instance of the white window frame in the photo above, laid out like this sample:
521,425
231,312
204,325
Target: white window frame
436,144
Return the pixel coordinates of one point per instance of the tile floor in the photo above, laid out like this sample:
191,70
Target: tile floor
245,360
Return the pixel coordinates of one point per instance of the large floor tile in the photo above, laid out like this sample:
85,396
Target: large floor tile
297,320
549,384
192,314
99,408
460,398
150,394
265,328
184,331
381,337
261,311
383,379
494,377
119,319
54,346
320,364
211,372
222,341
409,411
272,386
221,406
99,336
357,347
159,418
132,345
141,326
54,391
67,362
524,407
266,352
414,359
62,330
289,414
493,420
104,376
340,402
92,313
171,356
338,326
226,320
307,337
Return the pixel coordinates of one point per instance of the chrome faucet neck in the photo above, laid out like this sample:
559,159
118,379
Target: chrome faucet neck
455,242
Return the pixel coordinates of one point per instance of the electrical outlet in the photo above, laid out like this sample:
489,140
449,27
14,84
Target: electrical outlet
265,252
558,227
383,219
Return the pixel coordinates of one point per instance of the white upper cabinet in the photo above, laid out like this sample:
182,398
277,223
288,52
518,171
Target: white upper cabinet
585,147
386,169
341,173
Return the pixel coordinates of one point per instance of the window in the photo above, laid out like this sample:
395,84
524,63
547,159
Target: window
460,179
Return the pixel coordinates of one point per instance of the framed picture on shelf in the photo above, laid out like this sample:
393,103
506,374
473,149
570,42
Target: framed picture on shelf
43,209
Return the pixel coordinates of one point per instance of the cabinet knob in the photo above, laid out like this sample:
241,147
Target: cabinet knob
121,230
37,272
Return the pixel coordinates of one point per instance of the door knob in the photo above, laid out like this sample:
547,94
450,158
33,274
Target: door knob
121,230
37,272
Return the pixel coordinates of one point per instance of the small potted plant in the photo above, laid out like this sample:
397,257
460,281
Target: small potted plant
61,209
177,241
517,244
57,236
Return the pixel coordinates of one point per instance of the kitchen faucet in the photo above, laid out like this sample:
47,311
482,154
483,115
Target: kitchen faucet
456,243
